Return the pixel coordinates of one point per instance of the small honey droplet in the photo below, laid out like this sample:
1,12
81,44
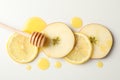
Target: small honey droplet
28,67
43,64
99,64
58,64
76,22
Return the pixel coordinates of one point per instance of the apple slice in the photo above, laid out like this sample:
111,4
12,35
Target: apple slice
100,37
60,40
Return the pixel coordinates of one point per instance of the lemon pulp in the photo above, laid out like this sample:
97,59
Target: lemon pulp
34,24
43,64
20,49
76,22
82,50
58,64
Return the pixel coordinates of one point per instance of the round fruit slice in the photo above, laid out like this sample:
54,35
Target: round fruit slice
34,24
100,37
20,50
82,50
60,40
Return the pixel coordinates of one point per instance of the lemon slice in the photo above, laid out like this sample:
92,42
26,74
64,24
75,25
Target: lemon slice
82,50
20,50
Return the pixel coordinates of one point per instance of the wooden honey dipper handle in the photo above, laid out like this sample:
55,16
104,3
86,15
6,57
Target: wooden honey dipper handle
37,38
14,30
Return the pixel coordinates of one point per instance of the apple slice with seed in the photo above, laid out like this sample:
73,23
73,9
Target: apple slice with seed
100,37
60,40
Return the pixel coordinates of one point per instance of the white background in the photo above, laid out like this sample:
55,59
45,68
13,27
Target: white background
16,12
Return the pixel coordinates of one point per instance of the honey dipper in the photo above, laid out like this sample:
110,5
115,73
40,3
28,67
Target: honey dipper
36,38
